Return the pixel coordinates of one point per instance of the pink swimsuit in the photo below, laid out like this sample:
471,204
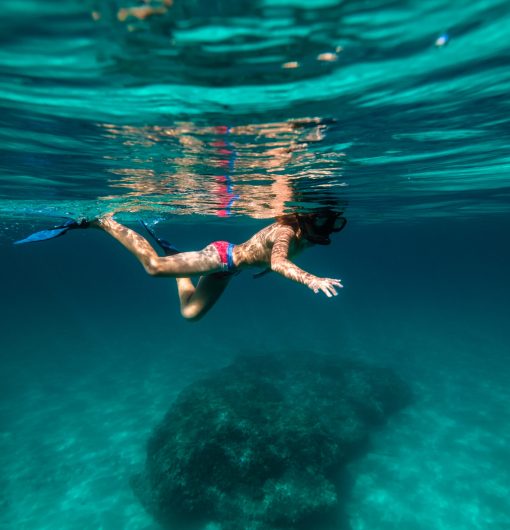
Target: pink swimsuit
225,250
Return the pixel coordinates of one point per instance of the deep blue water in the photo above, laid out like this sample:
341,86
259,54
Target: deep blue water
215,117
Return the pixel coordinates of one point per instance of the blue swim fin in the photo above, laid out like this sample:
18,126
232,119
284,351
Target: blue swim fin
167,247
51,233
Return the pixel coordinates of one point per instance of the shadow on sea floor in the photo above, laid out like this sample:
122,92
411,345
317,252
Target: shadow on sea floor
260,444
93,356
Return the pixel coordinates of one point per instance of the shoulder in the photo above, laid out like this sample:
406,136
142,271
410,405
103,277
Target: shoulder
279,231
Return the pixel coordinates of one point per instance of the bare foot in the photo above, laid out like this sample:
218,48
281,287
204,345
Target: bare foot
100,222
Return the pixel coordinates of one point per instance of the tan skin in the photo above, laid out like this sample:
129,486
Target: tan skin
270,247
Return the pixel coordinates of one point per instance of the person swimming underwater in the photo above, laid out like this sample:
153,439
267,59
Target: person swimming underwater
216,264
271,248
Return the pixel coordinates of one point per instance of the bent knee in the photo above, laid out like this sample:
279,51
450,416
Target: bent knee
192,312
153,267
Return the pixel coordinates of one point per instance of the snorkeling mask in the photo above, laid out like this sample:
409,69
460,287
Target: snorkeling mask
321,226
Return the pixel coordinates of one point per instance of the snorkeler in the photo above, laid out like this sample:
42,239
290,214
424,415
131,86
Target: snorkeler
219,261
271,248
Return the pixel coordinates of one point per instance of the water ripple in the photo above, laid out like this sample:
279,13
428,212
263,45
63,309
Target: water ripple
228,108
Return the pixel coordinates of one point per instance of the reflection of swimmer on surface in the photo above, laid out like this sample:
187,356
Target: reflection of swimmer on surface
222,170
216,264
224,191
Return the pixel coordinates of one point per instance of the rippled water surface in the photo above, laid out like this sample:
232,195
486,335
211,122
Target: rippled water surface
253,108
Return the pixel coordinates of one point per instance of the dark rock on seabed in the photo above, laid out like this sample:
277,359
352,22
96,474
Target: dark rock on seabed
261,444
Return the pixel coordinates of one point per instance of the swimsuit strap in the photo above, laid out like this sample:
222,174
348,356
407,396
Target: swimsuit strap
230,257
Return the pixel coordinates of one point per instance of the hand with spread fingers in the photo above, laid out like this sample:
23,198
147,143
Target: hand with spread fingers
215,265
326,285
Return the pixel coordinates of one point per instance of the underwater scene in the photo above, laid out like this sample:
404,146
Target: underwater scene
255,265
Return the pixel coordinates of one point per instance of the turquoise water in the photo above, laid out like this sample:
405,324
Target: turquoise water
213,118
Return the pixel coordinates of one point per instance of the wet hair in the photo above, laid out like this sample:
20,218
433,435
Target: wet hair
315,227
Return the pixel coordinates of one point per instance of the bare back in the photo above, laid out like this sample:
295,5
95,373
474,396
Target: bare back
258,250
270,247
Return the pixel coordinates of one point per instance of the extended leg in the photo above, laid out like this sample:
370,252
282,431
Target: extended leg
180,265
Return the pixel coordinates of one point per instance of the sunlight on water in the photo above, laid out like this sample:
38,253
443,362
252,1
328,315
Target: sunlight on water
254,108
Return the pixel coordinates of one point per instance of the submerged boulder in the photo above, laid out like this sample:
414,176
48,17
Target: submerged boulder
260,444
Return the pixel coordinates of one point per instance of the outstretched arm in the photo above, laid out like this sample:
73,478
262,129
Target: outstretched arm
282,265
